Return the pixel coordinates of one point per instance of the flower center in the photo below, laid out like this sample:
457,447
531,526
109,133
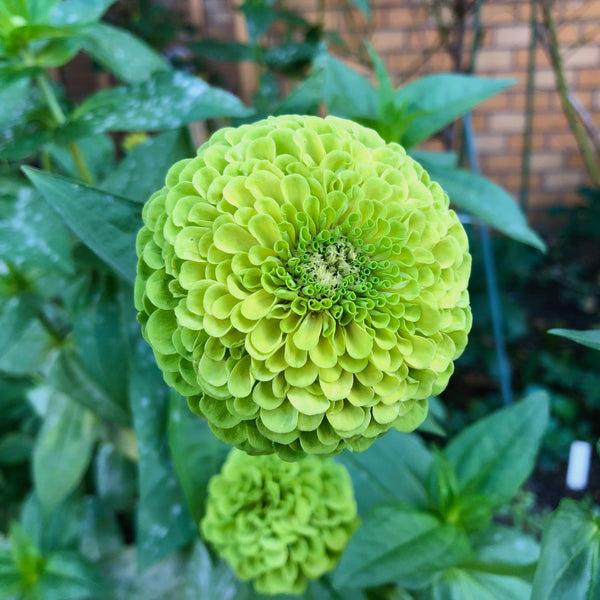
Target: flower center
328,266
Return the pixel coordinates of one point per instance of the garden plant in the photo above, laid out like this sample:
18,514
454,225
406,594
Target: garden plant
222,369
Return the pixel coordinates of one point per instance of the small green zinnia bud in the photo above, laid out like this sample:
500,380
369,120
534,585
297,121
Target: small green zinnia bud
279,523
304,285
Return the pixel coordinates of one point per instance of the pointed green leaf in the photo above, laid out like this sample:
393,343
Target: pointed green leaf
484,199
345,92
364,6
197,453
79,11
121,53
442,98
105,223
589,338
494,456
569,565
153,158
167,100
393,468
163,521
63,450
463,584
398,543
32,235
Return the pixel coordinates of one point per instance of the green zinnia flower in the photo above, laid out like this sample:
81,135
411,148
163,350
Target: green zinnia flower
304,285
279,523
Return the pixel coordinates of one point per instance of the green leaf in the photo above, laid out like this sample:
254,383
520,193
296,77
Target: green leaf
153,158
99,532
15,448
69,576
79,11
121,53
305,98
14,100
70,376
259,17
98,331
57,53
393,468
15,314
58,530
10,576
40,10
207,580
345,92
500,545
462,584
26,556
589,338
442,485
399,543
364,6
221,51
435,417
442,98
32,235
30,352
494,456
23,139
569,565
197,453
116,478
106,224
484,199
385,89
163,521
166,101
63,450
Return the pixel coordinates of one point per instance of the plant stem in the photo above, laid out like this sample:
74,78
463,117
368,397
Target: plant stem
60,118
587,152
530,91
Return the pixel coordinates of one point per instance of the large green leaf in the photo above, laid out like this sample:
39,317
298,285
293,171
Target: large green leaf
70,375
393,468
569,565
15,314
30,352
345,92
441,98
463,584
68,576
165,101
399,543
63,449
163,521
500,545
121,53
484,199
495,456
106,224
589,338
39,10
197,453
143,170
14,100
79,11
32,235
101,343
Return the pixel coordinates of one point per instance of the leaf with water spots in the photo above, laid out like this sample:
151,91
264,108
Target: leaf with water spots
163,521
167,100
105,223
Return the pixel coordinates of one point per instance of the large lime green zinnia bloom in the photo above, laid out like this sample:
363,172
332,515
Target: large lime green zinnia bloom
304,285
279,523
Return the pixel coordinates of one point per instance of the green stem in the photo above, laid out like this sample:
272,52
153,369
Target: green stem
529,108
587,152
61,119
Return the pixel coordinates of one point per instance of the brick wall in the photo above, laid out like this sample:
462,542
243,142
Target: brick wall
405,35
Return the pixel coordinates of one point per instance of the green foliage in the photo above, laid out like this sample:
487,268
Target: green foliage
568,566
103,471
